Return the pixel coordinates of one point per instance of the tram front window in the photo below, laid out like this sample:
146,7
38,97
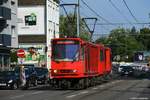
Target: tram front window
65,52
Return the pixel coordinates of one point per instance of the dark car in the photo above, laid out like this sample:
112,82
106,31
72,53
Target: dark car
9,79
30,75
42,75
127,70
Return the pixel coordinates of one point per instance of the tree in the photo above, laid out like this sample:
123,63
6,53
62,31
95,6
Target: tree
144,38
13,56
68,27
122,43
57,1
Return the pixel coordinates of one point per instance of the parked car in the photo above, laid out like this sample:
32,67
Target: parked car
127,70
42,75
9,79
30,75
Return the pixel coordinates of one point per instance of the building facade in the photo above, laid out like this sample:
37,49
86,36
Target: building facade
8,30
38,23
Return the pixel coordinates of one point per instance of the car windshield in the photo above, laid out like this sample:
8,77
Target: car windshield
127,67
28,65
6,73
65,52
27,70
41,70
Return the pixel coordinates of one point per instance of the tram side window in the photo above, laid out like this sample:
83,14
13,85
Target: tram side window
101,55
82,53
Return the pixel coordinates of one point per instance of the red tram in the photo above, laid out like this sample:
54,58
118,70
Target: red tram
76,63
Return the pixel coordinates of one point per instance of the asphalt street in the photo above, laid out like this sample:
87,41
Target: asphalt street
121,89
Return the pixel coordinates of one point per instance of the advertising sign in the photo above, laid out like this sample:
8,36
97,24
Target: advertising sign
31,20
138,56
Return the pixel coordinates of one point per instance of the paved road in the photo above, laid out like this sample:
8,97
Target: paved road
123,89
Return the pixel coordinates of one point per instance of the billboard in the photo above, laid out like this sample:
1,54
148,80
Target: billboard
138,56
31,20
35,53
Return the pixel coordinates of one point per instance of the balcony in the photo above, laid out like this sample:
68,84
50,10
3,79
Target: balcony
5,13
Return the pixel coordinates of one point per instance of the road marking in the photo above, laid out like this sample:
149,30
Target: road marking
108,84
71,96
38,92
18,96
80,93
84,92
29,94
95,88
139,98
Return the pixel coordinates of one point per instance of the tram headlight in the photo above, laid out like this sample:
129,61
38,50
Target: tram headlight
55,71
74,71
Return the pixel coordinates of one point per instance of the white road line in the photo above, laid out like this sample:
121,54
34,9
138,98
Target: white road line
38,92
18,96
139,98
84,92
95,88
80,93
71,96
108,84
29,94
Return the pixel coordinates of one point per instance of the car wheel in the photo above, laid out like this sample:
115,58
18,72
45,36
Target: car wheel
14,86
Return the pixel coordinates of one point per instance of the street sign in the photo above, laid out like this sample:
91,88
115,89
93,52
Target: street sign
21,53
21,60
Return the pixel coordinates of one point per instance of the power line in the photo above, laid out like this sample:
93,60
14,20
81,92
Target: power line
121,24
119,11
95,12
62,1
130,11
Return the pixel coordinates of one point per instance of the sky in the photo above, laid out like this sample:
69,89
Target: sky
139,8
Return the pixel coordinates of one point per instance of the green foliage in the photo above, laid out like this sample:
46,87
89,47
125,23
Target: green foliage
123,43
13,56
68,28
57,1
144,38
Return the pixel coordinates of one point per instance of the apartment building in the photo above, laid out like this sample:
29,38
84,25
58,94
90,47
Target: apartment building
8,30
38,23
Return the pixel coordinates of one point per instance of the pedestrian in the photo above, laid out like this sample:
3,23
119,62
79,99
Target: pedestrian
22,76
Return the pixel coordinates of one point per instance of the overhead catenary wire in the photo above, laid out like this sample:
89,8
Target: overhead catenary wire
130,11
116,24
118,10
98,15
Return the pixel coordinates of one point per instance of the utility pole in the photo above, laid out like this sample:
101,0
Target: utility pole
149,17
78,19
